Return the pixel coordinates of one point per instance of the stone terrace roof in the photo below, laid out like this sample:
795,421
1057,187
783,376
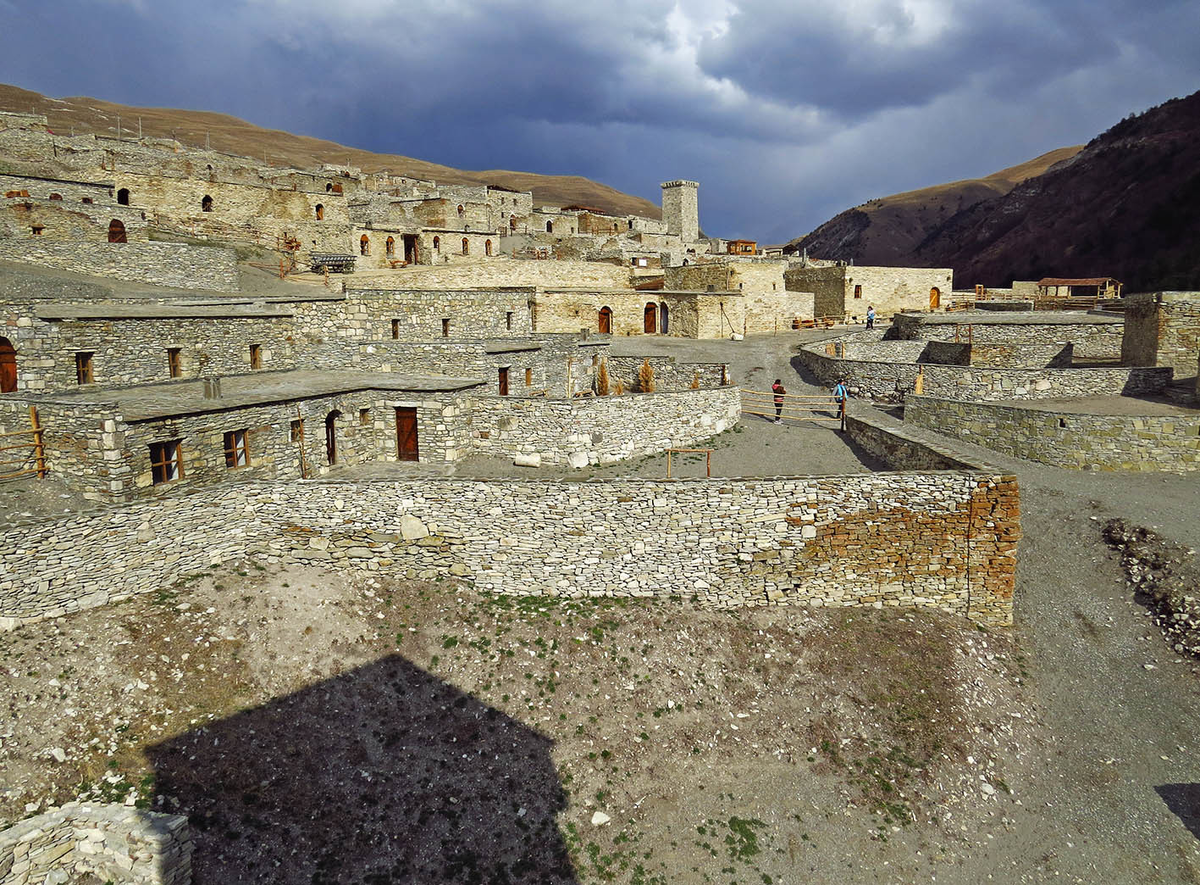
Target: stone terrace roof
148,402
144,311
1018,318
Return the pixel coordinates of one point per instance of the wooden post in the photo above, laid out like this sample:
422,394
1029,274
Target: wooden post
39,449
919,382
668,463
300,439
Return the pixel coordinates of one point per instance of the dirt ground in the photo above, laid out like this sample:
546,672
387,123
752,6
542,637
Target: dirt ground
321,728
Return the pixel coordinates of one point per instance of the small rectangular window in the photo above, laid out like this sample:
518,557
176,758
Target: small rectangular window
37,230
255,356
297,430
166,461
237,450
508,320
364,416
83,368
395,330
445,328
529,377
174,368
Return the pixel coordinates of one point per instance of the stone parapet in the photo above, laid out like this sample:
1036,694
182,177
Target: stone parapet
163,264
113,843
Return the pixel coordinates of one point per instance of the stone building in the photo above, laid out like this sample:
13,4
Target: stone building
842,291
1162,329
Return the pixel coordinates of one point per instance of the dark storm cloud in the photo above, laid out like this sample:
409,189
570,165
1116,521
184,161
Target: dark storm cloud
786,112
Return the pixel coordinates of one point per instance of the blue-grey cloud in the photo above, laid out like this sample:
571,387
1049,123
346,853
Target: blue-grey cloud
786,111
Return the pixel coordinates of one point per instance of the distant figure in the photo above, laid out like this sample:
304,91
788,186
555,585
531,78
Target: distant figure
778,390
870,317
840,394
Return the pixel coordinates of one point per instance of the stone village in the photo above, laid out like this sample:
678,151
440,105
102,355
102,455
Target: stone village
419,324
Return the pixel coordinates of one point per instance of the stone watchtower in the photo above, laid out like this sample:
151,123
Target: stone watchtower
681,210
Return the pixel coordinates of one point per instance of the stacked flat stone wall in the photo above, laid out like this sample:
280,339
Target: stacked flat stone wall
890,381
63,222
944,540
163,264
902,446
114,844
1162,329
1094,336
492,274
134,351
367,315
1168,443
1020,356
669,374
600,430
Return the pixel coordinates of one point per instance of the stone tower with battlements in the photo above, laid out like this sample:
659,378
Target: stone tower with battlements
681,210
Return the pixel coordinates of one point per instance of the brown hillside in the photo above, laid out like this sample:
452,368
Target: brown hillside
234,136
886,231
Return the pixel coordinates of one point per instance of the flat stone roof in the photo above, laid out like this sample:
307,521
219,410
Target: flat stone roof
1109,407
1016,318
142,311
149,402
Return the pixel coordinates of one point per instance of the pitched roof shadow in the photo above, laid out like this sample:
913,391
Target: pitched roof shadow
382,774
1184,801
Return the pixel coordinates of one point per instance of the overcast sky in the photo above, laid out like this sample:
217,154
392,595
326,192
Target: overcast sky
786,111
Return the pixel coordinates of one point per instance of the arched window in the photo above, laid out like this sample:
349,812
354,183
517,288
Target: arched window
328,187
320,212
364,245
437,244
116,231
487,247
206,204
56,196
466,247
461,210
512,222
662,317
390,247
549,227
604,326
631,224
123,196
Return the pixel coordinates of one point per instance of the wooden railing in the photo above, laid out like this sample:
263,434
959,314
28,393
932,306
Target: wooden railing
817,409
27,458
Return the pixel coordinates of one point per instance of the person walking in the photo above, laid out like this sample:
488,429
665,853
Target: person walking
779,391
840,395
871,317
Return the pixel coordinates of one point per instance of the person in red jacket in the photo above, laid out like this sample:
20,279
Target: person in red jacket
777,389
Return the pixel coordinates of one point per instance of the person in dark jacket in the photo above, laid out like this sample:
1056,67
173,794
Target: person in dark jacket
778,390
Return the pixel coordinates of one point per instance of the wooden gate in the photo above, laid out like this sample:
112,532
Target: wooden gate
26,457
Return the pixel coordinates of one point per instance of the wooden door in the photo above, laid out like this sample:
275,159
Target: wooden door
8,366
503,381
935,298
116,231
650,326
605,326
406,434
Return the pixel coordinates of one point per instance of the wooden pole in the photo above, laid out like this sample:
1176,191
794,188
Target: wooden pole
300,439
39,449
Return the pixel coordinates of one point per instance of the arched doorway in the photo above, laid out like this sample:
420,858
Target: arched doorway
123,196
390,246
364,245
487,247
549,227
935,298
437,244
605,324
466,246
512,222
320,212
650,317
116,231
662,317
206,204
8,366
331,451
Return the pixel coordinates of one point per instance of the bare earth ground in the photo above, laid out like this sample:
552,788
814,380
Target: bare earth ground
321,728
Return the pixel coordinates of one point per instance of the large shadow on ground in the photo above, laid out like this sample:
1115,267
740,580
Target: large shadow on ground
385,774
1184,801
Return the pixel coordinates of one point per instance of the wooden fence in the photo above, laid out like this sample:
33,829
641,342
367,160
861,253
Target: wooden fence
815,409
23,458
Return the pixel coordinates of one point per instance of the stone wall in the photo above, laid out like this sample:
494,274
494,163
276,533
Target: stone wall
110,842
669,374
163,264
416,315
828,285
600,430
944,540
891,381
1020,356
1066,439
848,290
506,273
1162,329
1094,336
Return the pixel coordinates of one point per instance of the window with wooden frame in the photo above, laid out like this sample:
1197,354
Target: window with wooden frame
297,429
395,330
174,364
364,416
166,461
84,373
237,449
255,356
529,377
445,328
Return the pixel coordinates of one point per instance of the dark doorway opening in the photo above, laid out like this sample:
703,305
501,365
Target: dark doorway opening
662,323
331,449
503,381
123,197
411,255
407,448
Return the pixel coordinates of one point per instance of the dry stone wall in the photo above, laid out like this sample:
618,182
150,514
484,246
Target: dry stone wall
1094,336
1162,329
112,843
164,264
1168,443
945,540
